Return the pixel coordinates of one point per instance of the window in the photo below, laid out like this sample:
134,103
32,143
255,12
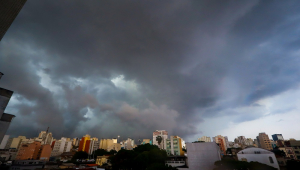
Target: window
298,157
297,152
271,160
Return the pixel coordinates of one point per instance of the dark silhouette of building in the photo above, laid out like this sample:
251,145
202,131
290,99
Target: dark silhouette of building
9,9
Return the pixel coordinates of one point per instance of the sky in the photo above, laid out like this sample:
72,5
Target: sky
128,68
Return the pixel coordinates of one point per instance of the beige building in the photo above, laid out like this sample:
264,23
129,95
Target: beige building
107,144
14,143
295,144
264,141
204,139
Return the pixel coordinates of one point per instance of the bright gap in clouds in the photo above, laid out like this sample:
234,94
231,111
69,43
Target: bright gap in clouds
279,112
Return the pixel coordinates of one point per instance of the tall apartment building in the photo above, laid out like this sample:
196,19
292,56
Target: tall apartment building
45,137
34,151
28,151
14,143
204,139
160,134
5,96
82,143
92,145
60,146
277,137
222,141
8,12
264,141
174,146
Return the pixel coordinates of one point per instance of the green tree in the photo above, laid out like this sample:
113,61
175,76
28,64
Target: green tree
158,139
100,152
79,155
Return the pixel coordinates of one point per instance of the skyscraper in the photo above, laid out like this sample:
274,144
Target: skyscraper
8,12
83,141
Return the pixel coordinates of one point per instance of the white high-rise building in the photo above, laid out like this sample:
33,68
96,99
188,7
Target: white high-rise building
204,139
45,138
61,146
164,135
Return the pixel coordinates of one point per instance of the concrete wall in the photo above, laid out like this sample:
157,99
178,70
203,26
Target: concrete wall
202,155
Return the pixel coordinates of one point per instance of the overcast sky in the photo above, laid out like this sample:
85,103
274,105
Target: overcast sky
127,68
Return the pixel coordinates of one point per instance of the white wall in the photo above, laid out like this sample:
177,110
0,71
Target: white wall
261,158
202,155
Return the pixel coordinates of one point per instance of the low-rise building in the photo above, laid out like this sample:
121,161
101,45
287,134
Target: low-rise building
295,144
258,155
28,164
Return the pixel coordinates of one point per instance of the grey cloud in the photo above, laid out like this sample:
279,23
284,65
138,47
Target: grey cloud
178,53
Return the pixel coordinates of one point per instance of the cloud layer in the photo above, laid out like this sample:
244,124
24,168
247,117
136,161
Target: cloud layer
128,68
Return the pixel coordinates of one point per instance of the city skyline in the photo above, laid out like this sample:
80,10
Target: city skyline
193,68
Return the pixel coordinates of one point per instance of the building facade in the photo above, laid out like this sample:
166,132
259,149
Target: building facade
5,96
174,146
258,155
295,144
83,141
222,141
14,143
277,137
264,141
204,139
160,135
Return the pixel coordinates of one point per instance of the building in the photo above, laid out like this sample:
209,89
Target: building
277,137
28,164
83,141
174,146
28,151
8,12
295,144
145,141
105,143
8,154
202,155
264,141
273,143
44,152
5,94
222,141
249,142
4,141
258,155
45,137
114,146
60,146
14,143
94,144
204,139
289,152
159,138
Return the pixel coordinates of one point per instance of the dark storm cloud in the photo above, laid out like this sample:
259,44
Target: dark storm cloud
179,59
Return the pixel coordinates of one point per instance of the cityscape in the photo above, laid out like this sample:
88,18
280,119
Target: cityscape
89,85
274,152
